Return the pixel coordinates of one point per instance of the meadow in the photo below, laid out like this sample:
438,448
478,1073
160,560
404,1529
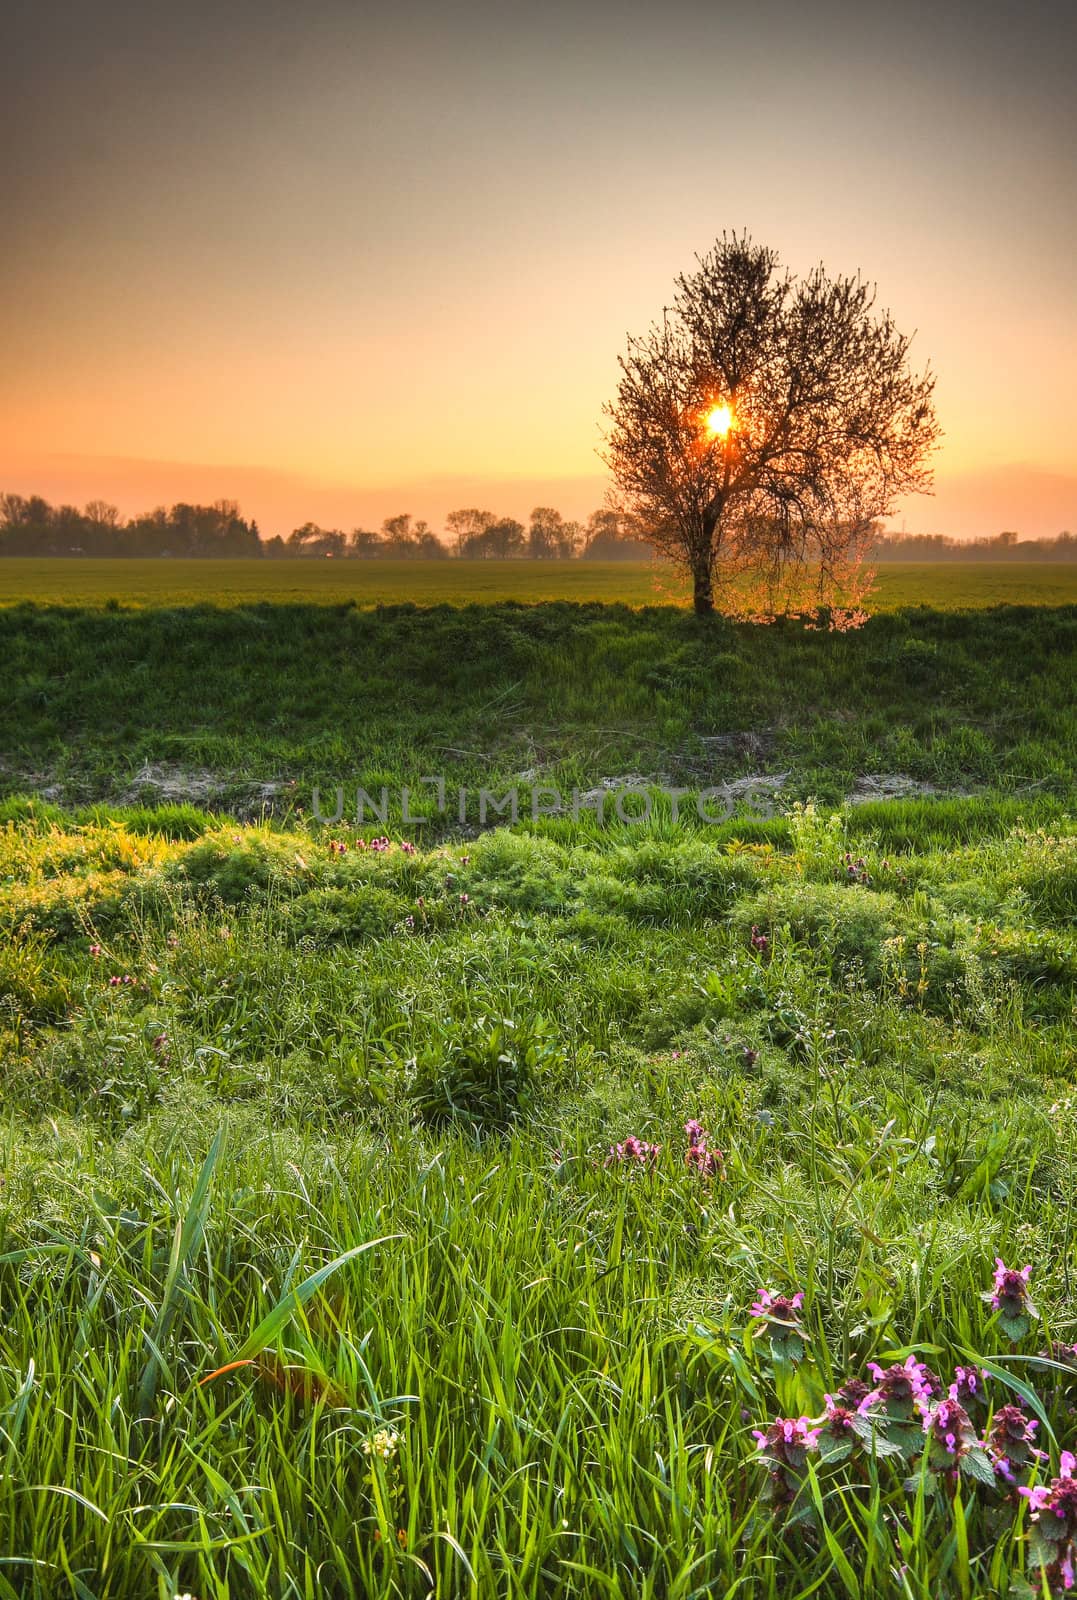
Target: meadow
946,585
574,1209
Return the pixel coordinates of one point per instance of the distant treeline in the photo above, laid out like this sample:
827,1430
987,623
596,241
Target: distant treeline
1003,547
30,526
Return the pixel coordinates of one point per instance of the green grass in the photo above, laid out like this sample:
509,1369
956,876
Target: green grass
293,696
430,1054
947,585
315,1277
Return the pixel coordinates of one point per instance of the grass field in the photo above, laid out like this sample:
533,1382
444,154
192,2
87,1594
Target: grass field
371,583
271,700
232,1058
396,1211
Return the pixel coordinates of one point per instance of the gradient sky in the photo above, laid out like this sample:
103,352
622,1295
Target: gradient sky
338,260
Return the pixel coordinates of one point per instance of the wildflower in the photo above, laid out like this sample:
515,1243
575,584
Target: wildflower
854,1393
464,860
778,1307
420,902
114,982
749,1056
1053,1538
787,1441
855,871
784,1447
407,847
779,1317
381,845
409,921
337,847
707,1162
841,1428
465,899
900,1390
1009,1297
402,1538
968,1387
160,1045
760,942
382,1444
633,1150
95,949
950,1434
1011,1442
839,1418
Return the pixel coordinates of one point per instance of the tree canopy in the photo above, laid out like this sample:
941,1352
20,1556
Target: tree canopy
765,424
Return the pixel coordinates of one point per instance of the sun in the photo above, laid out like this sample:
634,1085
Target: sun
719,421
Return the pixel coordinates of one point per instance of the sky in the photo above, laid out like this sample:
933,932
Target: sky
338,260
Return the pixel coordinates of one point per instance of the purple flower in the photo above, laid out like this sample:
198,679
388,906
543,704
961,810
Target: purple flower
779,1307
633,1151
787,1441
1011,1289
838,1419
968,1387
784,1447
902,1390
1053,1511
1009,1297
779,1318
950,1434
699,1156
1011,1442
855,1394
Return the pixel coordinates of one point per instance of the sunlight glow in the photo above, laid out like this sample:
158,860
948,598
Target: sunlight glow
719,421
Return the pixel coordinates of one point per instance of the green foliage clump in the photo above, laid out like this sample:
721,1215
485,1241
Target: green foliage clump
237,871
347,916
483,1070
842,925
31,989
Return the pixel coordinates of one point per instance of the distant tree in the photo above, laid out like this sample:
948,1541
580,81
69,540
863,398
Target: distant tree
550,537
465,527
614,536
427,544
100,514
310,540
765,423
503,538
364,543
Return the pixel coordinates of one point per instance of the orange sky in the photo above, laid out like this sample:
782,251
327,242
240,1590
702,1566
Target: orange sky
336,265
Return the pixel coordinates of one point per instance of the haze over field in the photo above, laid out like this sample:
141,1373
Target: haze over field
335,264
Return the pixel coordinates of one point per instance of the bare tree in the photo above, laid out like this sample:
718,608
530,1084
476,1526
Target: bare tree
550,537
464,527
101,514
765,423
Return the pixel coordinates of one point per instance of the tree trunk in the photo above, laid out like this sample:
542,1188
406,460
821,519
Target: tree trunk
702,591
703,562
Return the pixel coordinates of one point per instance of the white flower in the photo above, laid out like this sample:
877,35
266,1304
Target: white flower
383,1444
